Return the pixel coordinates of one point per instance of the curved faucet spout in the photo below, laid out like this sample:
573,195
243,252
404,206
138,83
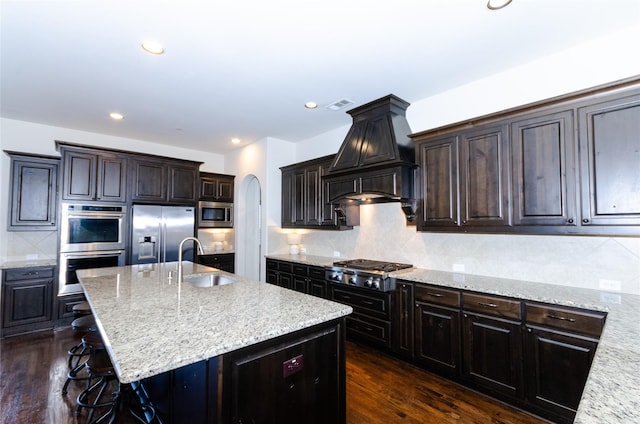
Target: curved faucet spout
180,254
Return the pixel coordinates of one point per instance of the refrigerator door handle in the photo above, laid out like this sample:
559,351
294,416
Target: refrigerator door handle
164,233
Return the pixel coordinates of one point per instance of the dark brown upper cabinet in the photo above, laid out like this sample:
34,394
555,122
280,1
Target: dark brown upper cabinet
483,168
610,162
438,160
216,187
93,175
568,165
305,196
543,170
465,179
160,180
34,193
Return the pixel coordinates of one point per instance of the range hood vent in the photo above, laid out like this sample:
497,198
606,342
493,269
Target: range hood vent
376,161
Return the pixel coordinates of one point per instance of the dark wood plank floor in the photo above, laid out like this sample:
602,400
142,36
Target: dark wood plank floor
380,389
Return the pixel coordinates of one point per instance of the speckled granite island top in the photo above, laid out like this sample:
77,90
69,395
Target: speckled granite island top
152,324
612,392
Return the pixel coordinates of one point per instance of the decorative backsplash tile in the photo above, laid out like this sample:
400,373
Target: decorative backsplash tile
574,261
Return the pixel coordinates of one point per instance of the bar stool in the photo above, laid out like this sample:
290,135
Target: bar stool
132,397
91,343
79,353
80,309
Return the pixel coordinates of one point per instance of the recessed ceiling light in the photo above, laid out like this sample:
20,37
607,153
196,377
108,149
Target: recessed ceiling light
497,4
311,105
116,116
152,47
235,140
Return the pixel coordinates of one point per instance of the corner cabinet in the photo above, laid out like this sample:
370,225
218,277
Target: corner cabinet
569,165
305,197
27,299
610,162
34,193
216,187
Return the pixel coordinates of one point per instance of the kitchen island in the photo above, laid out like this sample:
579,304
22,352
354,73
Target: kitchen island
153,327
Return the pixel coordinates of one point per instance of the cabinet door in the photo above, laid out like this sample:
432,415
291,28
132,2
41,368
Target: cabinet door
79,178
328,214
557,367
288,205
112,179
182,184
438,161
493,354
403,325
34,187
437,338
318,288
299,283
610,162
296,379
225,189
149,180
484,188
312,198
298,199
543,170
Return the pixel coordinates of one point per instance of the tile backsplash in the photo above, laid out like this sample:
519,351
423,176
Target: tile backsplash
21,245
605,263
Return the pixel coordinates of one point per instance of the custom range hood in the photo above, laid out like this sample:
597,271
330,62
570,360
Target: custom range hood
376,161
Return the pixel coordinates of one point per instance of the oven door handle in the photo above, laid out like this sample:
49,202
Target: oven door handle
92,253
118,215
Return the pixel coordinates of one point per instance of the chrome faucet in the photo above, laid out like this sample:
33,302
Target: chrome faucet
180,254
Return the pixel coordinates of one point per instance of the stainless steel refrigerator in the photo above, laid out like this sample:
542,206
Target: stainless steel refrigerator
157,232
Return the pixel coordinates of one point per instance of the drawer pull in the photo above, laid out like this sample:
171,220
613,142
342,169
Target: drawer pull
344,296
488,305
434,294
367,302
560,318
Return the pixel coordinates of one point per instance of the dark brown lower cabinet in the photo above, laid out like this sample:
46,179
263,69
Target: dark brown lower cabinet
27,300
223,261
492,358
557,367
296,379
437,338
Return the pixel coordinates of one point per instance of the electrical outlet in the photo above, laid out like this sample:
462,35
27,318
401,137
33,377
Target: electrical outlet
610,285
336,253
292,366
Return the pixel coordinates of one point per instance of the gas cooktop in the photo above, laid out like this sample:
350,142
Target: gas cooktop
370,265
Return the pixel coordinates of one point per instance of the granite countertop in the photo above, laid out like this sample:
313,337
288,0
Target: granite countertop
26,263
612,392
151,324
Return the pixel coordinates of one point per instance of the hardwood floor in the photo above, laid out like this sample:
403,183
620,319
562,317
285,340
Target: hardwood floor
380,389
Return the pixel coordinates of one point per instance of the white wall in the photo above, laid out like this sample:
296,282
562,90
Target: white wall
261,159
28,137
566,260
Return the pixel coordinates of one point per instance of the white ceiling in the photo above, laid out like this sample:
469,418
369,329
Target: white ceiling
244,68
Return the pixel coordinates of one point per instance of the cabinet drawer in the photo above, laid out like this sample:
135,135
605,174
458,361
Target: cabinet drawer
371,329
370,305
316,272
16,274
272,265
300,269
285,267
492,305
573,320
437,295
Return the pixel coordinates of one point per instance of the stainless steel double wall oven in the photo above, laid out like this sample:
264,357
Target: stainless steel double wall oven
91,236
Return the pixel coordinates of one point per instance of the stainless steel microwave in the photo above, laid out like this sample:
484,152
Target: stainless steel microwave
215,215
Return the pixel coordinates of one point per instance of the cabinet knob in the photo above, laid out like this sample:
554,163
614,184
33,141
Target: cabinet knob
585,221
455,222
570,220
464,222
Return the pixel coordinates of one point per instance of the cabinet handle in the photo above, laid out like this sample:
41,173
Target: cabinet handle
417,306
561,318
367,302
455,222
488,305
585,221
435,294
346,297
570,220
464,222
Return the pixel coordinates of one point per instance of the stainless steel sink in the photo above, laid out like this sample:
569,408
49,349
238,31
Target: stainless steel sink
208,280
